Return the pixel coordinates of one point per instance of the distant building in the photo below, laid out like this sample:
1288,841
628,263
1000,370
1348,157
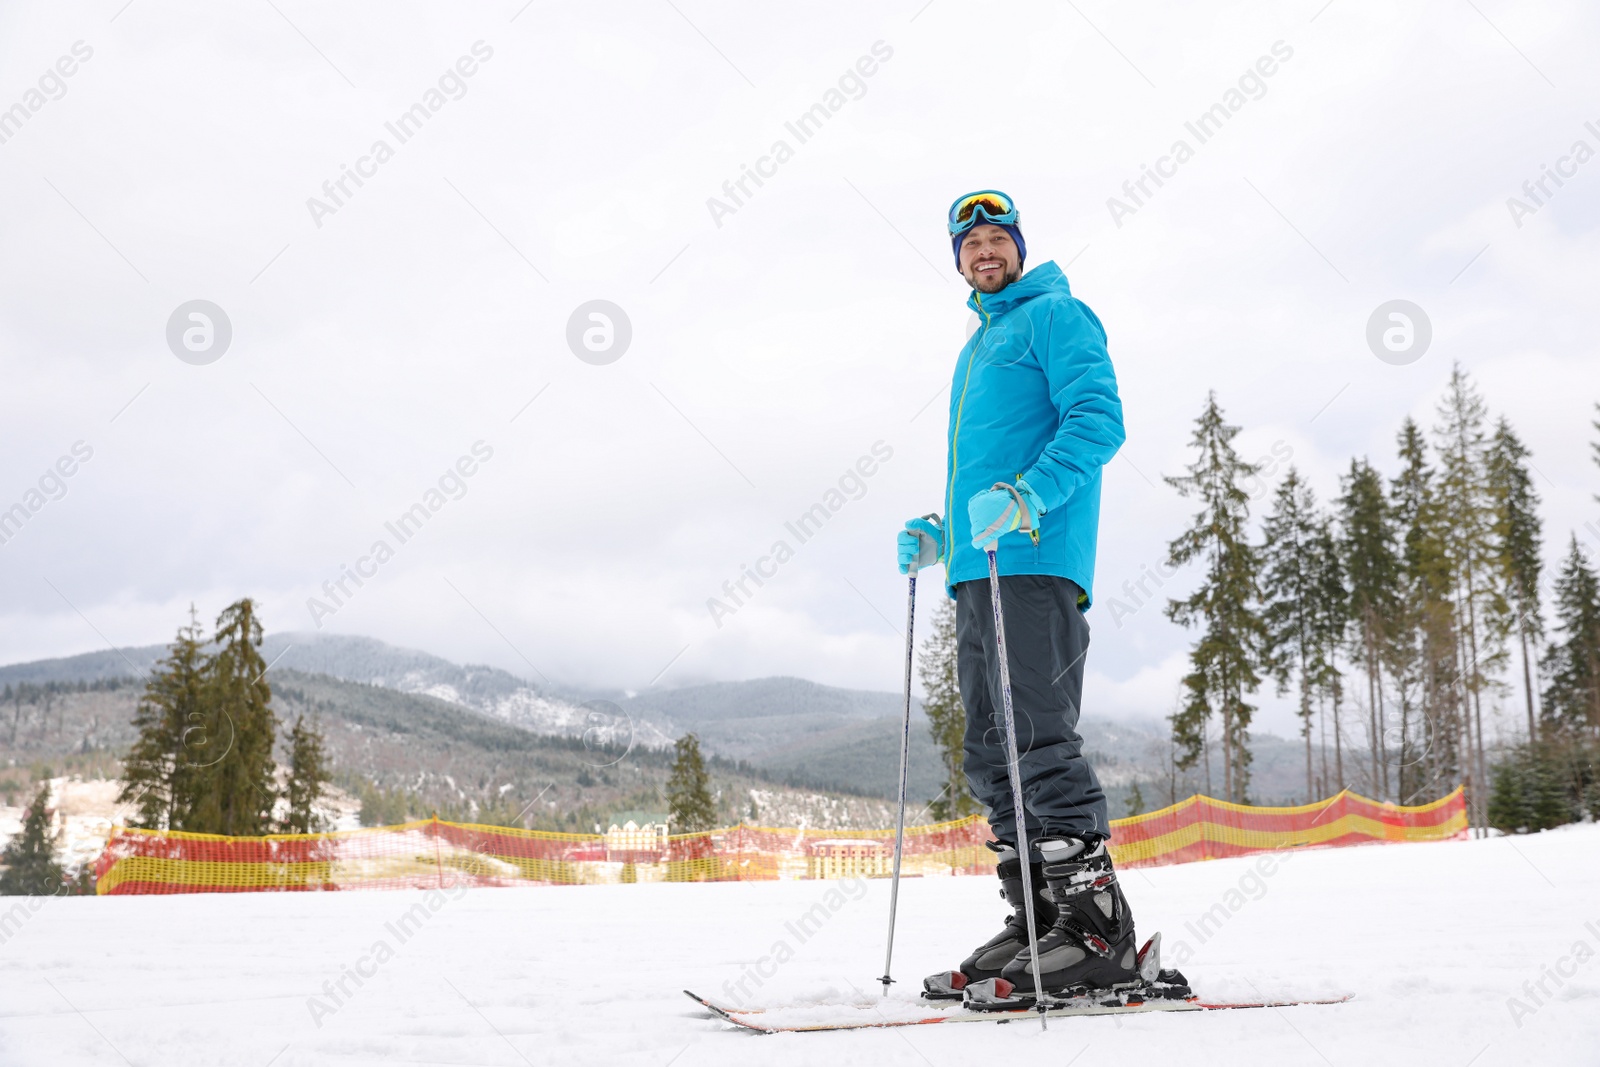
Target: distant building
848,858
636,837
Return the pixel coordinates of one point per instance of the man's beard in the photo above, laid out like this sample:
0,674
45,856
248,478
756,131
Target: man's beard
1006,278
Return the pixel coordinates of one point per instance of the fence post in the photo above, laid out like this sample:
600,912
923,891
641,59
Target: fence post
438,862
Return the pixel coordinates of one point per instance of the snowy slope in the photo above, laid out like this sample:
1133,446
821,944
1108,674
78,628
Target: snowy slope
1432,939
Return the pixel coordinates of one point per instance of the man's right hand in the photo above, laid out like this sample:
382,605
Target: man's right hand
920,543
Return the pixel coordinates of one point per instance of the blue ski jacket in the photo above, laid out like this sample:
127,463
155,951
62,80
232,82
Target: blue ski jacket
1034,397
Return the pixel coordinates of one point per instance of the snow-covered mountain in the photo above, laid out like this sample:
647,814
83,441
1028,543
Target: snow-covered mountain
812,736
489,690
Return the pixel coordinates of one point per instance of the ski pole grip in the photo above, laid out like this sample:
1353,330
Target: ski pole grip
1025,522
933,517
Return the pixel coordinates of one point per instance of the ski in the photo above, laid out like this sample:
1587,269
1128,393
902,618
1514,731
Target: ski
887,1012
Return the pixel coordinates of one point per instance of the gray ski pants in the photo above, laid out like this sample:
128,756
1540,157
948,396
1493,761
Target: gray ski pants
1047,638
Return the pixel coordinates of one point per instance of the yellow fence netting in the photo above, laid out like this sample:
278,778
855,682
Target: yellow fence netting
433,853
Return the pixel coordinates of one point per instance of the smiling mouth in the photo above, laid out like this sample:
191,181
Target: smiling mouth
989,266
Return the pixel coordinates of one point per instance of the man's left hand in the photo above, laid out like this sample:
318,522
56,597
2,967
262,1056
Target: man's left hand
994,512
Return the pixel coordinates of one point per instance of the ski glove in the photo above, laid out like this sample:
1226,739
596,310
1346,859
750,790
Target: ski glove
994,512
919,543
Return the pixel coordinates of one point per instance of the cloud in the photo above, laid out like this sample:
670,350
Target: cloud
767,354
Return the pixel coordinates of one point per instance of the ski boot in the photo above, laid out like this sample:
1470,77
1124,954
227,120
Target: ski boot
1153,983
1090,945
990,959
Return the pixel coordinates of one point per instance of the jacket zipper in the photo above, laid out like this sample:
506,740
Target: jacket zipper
1033,532
955,434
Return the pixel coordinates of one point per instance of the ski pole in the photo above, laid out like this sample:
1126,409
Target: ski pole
905,759
1013,764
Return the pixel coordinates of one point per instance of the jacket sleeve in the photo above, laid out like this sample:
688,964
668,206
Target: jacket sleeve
1083,390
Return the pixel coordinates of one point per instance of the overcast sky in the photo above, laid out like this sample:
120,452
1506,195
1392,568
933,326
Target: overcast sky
380,334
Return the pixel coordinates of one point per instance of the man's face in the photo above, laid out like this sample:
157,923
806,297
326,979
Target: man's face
989,259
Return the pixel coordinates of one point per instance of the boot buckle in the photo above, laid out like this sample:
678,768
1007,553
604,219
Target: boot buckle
1090,940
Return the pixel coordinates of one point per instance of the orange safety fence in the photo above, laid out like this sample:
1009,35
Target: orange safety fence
1201,828
435,854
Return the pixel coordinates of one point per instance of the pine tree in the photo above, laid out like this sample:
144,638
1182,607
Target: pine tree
1574,763
385,807
1423,651
689,789
1571,665
1135,800
1518,544
1528,793
1511,808
1373,572
1225,659
230,755
947,715
156,779
1330,619
1289,607
1468,524
308,780
1552,806
30,857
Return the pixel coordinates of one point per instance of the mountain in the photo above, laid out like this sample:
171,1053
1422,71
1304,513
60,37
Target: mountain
792,732
86,667
489,690
840,739
467,765
807,735
410,755
766,699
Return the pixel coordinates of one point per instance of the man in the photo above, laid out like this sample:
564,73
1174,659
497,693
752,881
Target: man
1033,406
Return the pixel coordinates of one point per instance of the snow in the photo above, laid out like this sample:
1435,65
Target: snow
1433,939
598,722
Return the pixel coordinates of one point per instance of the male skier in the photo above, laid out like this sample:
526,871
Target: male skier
1034,406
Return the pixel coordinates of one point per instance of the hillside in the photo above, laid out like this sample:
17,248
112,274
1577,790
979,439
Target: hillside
424,755
489,690
463,763
452,735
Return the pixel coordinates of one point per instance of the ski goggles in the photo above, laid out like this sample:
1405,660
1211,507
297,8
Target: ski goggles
986,205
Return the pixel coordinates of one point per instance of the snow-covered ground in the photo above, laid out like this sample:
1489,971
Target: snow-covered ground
1434,940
